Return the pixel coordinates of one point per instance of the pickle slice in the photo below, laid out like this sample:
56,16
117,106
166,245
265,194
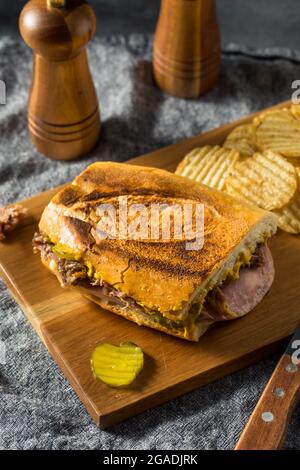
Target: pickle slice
117,366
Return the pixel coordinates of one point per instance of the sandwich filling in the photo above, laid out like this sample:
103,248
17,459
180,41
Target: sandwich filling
244,287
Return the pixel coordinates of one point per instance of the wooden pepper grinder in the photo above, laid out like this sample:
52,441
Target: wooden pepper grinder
186,50
63,113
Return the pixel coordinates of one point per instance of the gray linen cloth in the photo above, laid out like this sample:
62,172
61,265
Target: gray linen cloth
38,408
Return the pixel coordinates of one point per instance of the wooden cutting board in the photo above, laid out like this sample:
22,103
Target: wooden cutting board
71,326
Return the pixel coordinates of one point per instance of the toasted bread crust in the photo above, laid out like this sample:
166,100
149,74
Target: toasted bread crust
131,315
159,276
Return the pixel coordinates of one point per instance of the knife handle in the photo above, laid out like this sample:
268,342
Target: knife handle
268,423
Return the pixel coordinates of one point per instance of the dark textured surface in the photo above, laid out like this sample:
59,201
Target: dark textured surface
38,408
254,23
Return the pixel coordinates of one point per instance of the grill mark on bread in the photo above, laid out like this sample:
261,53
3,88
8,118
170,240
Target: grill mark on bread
159,195
138,261
96,195
83,229
69,195
165,267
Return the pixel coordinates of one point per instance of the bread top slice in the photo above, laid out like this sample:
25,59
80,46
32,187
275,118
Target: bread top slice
161,275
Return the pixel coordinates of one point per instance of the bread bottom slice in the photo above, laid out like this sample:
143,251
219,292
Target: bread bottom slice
192,333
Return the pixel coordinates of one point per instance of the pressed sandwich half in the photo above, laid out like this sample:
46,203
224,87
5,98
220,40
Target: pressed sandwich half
154,282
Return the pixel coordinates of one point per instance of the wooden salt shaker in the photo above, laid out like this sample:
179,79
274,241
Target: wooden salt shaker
63,114
186,50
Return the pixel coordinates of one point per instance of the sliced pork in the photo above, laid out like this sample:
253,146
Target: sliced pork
238,297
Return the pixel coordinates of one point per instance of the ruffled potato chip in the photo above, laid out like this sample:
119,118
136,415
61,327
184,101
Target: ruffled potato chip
242,139
266,180
295,110
279,131
260,117
289,216
209,165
